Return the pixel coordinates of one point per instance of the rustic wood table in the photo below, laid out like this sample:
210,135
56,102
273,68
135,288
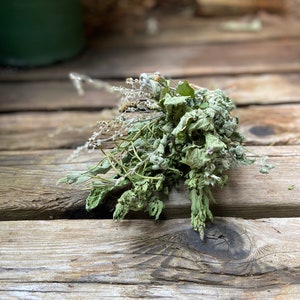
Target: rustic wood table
50,248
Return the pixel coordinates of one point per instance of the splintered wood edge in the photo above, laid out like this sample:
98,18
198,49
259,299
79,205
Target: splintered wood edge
165,258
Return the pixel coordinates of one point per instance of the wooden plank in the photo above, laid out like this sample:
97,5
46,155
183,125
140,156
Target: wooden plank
270,125
28,187
247,259
191,31
77,290
278,56
53,95
256,89
261,125
42,130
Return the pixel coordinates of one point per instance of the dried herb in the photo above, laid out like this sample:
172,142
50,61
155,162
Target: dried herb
164,134
291,187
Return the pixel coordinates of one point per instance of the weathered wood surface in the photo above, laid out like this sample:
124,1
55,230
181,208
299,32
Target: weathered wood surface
261,125
100,259
43,130
53,95
279,56
270,125
28,187
244,259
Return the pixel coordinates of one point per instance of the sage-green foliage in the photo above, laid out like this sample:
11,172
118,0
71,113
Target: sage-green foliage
187,134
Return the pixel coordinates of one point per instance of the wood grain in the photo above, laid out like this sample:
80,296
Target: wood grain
262,57
28,187
261,125
96,258
146,259
49,130
53,95
270,125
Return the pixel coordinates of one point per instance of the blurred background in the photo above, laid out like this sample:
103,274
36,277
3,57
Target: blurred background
41,32
129,17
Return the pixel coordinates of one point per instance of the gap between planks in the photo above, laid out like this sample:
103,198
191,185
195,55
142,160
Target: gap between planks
139,259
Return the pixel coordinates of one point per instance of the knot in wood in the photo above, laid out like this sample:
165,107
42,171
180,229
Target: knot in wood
222,240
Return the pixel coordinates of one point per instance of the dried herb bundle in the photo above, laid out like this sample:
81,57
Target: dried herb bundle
164,134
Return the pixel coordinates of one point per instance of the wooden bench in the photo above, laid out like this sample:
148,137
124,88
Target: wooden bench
50,248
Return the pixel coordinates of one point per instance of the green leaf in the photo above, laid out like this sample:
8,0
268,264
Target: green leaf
213,142
185,120
175,106
76,177
123,205
264,168
155,208
203,105
184,89
201,124
194,119
102,168
175,101
95,197
196,157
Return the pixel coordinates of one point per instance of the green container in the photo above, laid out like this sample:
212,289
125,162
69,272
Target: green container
39,32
